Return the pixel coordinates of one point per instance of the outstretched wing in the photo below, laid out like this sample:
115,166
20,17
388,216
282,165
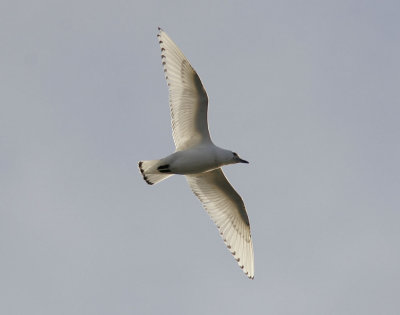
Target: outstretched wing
187,97
228,212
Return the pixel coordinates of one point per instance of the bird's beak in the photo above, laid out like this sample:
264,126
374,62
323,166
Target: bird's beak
243,161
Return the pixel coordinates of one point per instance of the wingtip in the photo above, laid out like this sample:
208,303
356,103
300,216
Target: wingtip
247,273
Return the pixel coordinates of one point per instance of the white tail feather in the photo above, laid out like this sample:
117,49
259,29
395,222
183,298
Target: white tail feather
150,172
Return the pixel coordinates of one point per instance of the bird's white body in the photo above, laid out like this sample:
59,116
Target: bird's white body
198,158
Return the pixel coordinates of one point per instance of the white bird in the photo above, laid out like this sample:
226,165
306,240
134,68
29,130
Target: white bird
198,158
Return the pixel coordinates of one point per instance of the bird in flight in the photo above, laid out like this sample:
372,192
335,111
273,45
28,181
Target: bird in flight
198,158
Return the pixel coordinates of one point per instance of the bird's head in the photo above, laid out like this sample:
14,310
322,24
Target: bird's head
226,157
236,159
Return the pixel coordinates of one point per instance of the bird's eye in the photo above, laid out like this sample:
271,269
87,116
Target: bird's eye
235,154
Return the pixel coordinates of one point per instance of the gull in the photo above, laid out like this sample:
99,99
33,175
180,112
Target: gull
198,158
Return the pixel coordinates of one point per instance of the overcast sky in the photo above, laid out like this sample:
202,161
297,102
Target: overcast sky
307,91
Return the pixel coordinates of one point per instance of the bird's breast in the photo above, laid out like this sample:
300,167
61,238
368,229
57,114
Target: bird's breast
193,162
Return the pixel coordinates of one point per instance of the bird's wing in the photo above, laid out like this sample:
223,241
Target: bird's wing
228,212
187,96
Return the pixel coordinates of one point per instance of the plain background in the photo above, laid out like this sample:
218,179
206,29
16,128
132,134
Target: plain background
307,91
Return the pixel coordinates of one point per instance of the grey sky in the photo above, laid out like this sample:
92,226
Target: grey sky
307,91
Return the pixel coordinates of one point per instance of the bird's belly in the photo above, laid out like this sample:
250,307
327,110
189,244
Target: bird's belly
189,165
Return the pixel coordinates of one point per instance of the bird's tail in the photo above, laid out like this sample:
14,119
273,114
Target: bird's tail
153,172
